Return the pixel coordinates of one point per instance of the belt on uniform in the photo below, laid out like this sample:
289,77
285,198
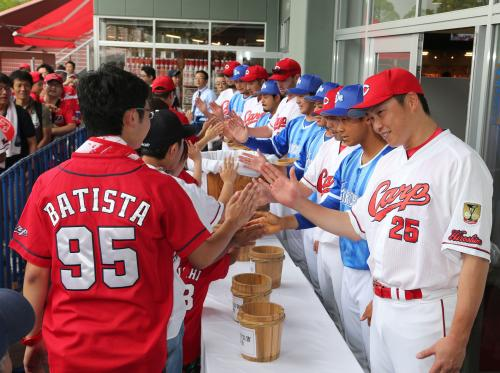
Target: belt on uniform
395,293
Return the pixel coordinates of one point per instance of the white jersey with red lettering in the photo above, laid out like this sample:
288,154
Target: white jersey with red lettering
420,214
286,111
224,98
252,111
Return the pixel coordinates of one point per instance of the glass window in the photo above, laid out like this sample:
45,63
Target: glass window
247,35
392,10
352,13
126,30
388,60
432,6
182,32
490,343
350,61
130,59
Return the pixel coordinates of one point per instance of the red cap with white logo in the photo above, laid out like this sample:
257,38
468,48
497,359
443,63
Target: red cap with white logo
329,100
162,84
255,72
285,68
386,84
229,68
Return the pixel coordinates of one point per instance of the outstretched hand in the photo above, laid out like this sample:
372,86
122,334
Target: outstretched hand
241,206
228,172
271,223
253,161
235,129
285,191
217,110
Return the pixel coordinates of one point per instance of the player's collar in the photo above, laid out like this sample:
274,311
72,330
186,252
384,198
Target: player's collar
108,145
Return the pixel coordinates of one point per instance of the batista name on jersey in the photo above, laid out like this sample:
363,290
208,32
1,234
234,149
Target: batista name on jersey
88,200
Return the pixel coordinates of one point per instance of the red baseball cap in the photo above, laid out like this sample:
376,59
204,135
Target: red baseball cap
36,76
329,100
255,72
386,84
285,68
53,76
229,68
163,84
25,66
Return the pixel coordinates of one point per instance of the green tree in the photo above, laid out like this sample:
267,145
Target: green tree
384,11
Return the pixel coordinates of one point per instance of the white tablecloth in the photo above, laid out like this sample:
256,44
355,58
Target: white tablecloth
310,342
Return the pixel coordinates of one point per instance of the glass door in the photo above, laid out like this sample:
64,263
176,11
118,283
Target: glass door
395,51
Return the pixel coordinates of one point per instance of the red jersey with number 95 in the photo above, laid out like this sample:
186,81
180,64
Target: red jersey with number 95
107,226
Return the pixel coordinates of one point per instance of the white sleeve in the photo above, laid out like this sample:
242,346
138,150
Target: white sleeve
208,208
358,214
310,178
471,205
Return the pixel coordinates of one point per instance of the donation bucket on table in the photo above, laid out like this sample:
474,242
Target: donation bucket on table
261,325
243,253
268,260
249,287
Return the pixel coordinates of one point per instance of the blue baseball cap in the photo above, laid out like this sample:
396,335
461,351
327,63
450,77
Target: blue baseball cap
346,99
269,87
16,318
239,72
306,84
321,92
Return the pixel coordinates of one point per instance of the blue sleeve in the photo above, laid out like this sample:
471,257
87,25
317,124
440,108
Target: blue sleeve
299,171
281,142
264,145
231,102
329,202
335,190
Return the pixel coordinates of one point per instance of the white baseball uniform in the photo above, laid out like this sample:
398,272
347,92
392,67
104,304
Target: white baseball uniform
319,177
223,100
286,111
419,216
252,111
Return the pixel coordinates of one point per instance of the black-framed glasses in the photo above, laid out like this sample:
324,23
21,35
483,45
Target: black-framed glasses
150,112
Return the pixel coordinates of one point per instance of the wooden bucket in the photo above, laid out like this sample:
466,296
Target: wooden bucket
268,260
243,253
261,325
215,184
249,287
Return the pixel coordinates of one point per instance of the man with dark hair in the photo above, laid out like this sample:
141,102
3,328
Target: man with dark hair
427,217
45,69
70,67
63,110
175,75
22,82
148,74
99,234
24,141
203,95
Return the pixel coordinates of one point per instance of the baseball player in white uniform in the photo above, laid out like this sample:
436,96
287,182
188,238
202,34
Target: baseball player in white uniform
427,216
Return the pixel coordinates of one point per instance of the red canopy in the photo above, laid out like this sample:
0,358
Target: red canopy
59,28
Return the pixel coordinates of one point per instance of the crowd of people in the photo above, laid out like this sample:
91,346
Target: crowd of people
387,215
38,106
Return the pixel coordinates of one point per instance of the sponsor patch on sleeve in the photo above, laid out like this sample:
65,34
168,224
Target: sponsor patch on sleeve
472,212
21,231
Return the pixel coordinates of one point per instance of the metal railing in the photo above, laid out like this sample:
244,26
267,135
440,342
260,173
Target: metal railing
15,187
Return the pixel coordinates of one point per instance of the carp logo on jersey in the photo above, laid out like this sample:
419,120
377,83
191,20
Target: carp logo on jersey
251,118
325,182
385,199
279,123
472,212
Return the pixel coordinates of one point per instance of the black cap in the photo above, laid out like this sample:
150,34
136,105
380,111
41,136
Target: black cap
166,129
16,318
172,73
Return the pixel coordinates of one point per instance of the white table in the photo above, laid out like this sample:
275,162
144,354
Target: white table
310,342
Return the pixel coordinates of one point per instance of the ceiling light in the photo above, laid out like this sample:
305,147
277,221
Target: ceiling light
468,54
260,40
435,57
197,40
173,36
425,53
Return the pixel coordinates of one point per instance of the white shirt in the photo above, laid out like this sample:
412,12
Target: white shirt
420,214
252,111
286,111
320,173
223,100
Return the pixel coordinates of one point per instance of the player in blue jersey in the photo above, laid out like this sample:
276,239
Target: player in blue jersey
237,102
349,184
270,99
291,140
